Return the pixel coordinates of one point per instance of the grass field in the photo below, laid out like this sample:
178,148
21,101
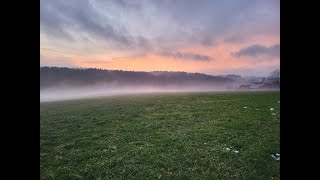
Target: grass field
165,136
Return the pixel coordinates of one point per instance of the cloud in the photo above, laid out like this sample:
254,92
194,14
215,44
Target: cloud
64,19
259,50
187,56
128,23
100,29
214,20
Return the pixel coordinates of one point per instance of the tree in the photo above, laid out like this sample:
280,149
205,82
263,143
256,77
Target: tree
274,78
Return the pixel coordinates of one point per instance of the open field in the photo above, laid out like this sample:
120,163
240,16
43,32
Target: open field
168,135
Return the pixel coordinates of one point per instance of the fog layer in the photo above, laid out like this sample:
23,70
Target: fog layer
66,83
68,93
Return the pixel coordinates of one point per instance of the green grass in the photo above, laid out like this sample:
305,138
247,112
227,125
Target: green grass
166,136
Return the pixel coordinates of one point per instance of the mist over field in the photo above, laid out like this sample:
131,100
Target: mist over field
68,93
68,83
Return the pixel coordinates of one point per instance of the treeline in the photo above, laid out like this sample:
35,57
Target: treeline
55,76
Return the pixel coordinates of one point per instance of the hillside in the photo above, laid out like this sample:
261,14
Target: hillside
62,76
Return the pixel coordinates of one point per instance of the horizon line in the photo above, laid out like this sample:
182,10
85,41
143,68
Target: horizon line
143,71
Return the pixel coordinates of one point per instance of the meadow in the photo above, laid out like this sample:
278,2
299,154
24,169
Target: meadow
218,135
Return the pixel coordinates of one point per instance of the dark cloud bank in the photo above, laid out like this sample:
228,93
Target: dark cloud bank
259,50
187,56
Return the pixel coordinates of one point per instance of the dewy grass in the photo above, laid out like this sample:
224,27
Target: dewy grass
168,135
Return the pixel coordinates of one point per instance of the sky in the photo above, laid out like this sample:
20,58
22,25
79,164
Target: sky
207,36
